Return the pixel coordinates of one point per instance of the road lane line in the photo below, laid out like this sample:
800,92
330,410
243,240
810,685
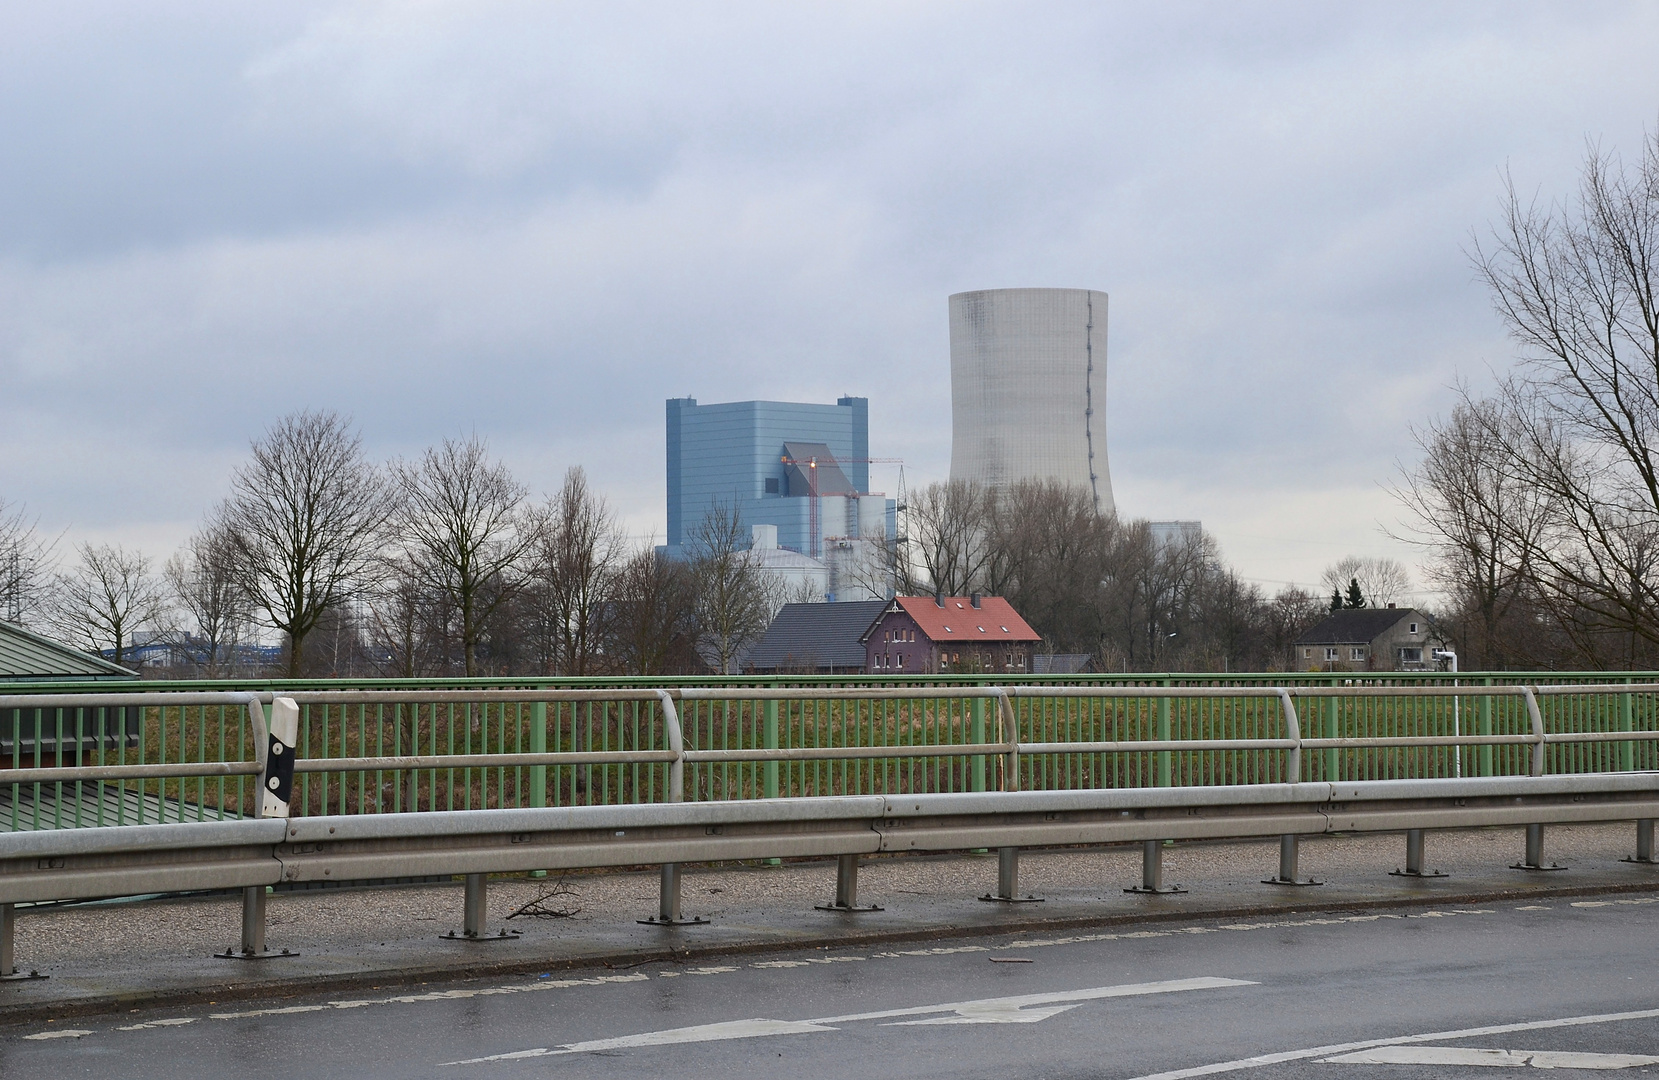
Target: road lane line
1018,1009
1503,1059
1261,1060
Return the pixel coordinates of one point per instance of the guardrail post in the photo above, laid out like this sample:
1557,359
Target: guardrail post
1290,857
8,946
1414,858
846,887
1535,852
1008,880
1152,871
1644,843
668,887
253,928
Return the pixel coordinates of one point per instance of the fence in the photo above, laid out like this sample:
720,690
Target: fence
113,758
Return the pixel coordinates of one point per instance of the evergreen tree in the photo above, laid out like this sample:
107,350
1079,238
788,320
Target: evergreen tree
1356,599
1336,600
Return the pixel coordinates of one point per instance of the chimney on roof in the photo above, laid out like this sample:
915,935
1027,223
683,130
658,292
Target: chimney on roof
975,599
1390,607
939,598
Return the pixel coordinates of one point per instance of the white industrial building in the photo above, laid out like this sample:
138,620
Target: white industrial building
1028,388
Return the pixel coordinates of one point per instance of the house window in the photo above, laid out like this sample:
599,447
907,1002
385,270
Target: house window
1307,654
1411,628
1411,656
1356,654
771,485
1331,652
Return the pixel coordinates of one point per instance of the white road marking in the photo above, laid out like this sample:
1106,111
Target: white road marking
438,995
1503,1059
1261,1060
1020,1009
177,1021
1025,943
60,1033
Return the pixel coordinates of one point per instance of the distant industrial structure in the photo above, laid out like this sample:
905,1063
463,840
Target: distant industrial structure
1028,388
796,475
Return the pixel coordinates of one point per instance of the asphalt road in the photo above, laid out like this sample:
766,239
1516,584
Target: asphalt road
1431,992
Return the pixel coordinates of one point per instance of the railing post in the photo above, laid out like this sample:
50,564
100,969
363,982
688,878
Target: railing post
538,745
1165,758
1539,743
769,735
1414,858
1333,730
668,891
976,734
1486,729
475,904
1010,734
1627,750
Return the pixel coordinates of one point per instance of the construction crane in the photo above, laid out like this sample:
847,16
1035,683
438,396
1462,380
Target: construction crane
814,540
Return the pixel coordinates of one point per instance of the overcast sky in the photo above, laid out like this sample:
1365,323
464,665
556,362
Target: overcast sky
537,221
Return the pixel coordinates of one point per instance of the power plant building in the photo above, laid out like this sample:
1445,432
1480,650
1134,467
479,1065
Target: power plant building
797,475
1028,388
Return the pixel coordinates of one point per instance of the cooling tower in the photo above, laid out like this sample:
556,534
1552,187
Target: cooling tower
1028,388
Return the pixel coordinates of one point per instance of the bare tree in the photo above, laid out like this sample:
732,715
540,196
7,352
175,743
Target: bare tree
26,564
461,516
1382,581
107,596
407,620
653,626
950,549
577,548
305,516
733,605
202,578
1482,525
1577,283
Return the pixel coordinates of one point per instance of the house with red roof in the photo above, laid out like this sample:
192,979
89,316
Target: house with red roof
949,635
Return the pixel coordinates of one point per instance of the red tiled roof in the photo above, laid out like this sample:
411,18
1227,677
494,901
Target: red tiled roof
994,620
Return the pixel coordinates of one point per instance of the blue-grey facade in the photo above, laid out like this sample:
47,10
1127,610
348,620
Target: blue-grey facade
735,454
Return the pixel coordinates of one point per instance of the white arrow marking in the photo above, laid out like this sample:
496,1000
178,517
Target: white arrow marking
1261,1060
1021,1009
1503,1059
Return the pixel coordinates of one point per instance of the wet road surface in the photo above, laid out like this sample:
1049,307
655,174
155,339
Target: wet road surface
1439,991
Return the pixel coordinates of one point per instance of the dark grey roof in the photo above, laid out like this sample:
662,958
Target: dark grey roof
1357,626
24,655
816,636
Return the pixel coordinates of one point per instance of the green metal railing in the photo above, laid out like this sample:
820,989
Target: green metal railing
605,741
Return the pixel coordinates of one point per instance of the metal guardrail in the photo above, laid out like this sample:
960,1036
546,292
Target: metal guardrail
254,854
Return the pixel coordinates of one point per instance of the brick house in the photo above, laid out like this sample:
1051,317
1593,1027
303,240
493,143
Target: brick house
949,635
1370,639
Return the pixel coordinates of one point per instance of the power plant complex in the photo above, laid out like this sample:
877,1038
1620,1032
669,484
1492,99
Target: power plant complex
1028,402
1028,388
